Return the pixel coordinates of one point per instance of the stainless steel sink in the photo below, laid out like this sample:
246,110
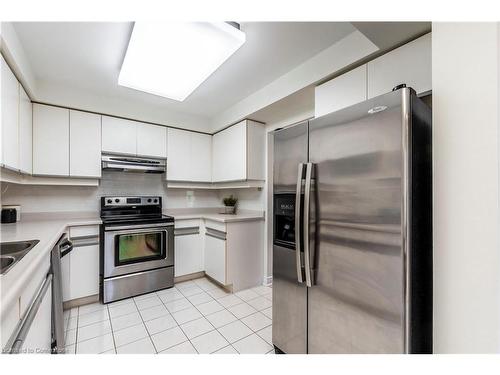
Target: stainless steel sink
12,252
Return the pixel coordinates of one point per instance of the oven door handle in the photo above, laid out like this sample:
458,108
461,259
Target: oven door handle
130,228
137,231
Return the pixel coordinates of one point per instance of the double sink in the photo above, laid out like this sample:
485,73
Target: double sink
13,252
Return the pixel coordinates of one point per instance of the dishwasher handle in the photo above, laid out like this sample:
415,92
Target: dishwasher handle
65,247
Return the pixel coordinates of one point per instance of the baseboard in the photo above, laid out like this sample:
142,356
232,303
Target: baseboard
191,276
268,280
80,301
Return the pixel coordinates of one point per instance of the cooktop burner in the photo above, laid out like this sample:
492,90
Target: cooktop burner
132,209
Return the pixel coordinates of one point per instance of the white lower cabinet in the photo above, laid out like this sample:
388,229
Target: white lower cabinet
188,247
215,257
234,253
84,272
80,268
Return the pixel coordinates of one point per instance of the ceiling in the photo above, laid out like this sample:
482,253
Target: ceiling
88,56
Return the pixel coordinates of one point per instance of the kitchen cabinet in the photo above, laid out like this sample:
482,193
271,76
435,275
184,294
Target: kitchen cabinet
83,270
85,144
10,117
238,152
215,255
189,156
234,253
50,140
151,140
410,64
25,132
341,92
189,254
127,137
119,136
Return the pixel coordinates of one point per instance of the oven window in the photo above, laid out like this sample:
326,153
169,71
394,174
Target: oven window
138,247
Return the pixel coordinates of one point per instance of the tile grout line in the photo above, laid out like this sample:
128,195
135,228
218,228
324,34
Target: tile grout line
144,324
112,331
178,325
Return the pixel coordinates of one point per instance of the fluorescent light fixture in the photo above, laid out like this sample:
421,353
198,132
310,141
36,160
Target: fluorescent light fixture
172,59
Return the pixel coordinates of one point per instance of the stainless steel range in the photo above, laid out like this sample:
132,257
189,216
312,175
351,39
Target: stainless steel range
136,248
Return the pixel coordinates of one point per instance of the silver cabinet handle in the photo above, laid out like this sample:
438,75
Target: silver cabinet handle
307,195
186,231
216,234
24,326
298,192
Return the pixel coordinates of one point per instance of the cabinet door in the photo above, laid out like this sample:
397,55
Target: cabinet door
119,136
340,92
188,254
179,155
50,140
85,144
410,64
215,258
25,132
151,140
229,148
10,117
84,271
201,157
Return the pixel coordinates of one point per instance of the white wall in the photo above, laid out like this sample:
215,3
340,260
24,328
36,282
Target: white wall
465,71
86,198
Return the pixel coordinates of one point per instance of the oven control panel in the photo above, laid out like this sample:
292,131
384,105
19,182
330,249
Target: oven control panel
132,201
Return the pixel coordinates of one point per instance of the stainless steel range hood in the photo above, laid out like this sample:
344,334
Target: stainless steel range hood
133,164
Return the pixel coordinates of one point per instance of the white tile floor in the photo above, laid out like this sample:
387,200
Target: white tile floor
195,316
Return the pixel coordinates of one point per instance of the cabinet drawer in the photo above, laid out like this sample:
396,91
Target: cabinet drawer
187,223
217,225
84,231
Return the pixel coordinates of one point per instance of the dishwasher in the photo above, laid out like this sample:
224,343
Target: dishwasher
47,300
63,247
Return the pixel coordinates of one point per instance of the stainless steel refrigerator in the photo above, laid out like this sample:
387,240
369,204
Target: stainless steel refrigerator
352,254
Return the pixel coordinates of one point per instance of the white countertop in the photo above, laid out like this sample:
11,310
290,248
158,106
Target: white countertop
45,227
214,214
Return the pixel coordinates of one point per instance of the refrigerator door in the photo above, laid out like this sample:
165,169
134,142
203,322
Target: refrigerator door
356,302
289,293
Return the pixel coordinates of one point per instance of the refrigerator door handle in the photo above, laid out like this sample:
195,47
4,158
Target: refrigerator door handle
307,196
297,222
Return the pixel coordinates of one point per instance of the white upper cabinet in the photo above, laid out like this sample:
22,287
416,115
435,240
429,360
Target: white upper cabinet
135,138
50,140
341,92
238,153
85,144
25,132
201,157
410,64
189,156
151,140
119,136
230,153
10,117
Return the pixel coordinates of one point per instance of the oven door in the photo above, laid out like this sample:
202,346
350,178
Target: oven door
136,248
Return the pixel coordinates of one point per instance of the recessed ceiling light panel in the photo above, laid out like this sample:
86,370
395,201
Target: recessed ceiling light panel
171,59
